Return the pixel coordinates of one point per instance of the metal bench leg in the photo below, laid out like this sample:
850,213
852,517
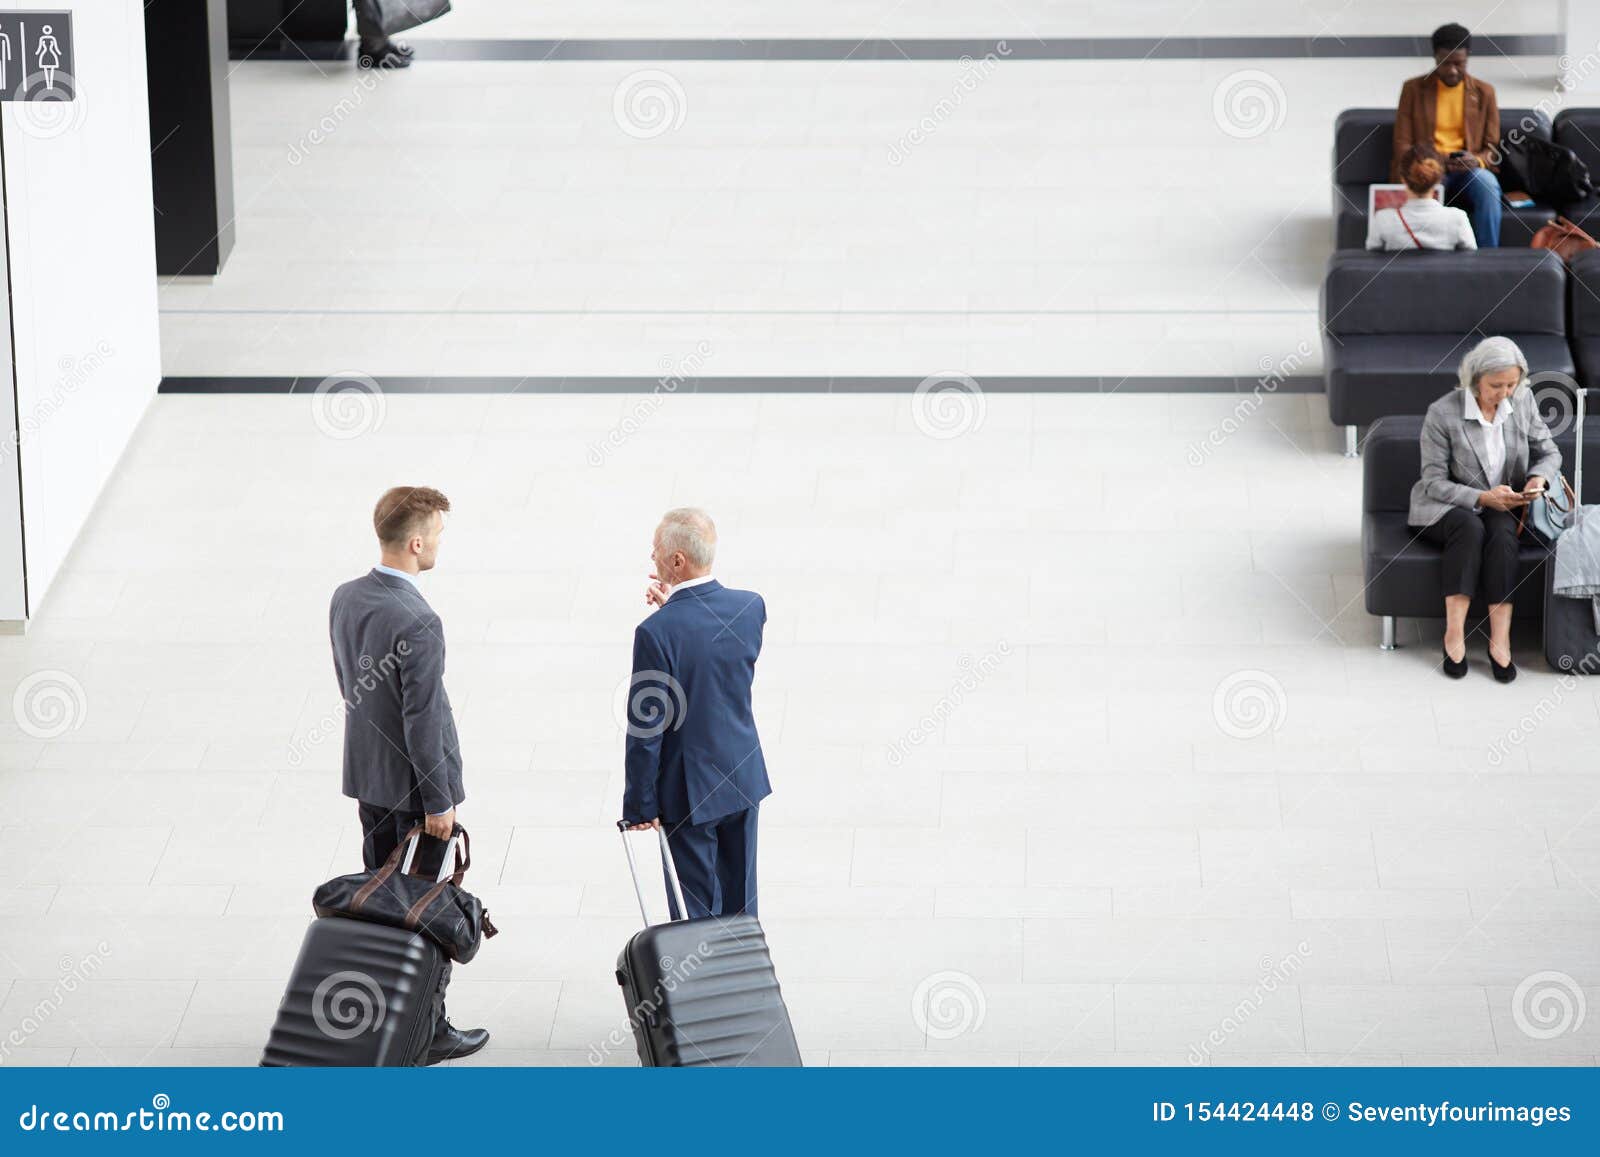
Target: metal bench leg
1388,643
1350,442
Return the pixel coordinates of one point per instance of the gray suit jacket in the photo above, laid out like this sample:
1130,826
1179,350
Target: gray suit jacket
1452,455
400,745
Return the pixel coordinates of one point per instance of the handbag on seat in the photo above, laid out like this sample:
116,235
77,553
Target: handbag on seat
1563,238
1551,513
440,909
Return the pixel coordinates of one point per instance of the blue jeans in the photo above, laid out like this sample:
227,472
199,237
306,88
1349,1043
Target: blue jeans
1478,192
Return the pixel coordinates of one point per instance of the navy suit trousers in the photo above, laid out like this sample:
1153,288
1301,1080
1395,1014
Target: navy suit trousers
716,864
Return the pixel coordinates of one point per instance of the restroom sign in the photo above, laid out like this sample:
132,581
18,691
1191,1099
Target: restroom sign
36,56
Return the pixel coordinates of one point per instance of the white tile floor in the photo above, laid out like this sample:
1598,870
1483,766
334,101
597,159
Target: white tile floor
1058,217
1191,814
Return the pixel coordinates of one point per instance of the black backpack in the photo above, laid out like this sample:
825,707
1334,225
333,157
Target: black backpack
1544,170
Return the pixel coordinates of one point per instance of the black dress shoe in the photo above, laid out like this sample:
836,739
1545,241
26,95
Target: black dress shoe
451,1043
390,54
1455,668
1501,674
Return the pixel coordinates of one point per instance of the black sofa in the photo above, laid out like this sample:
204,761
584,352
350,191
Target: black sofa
1583,317
1363,142
1400,572
1395,325
1579,130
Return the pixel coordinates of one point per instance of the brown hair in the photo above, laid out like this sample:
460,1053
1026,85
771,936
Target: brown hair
404,511
1420,170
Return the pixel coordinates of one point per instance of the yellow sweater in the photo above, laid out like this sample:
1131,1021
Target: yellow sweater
1450,118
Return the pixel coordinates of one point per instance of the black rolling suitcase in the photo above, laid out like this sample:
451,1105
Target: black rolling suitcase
702,992
1571,642
360,995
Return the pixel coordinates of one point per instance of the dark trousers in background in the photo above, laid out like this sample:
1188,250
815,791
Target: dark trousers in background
367,26
716,865
382,830
1480,552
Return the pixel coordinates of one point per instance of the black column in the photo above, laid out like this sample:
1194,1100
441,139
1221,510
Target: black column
191,146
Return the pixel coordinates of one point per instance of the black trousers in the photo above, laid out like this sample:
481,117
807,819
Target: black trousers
367,26
382,829
1480,552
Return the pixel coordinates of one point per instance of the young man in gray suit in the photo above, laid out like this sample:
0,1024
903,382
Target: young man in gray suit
402,760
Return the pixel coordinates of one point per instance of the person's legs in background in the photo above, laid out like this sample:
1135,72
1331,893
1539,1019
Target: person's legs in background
1459,535
1478,192
376,49
1499,579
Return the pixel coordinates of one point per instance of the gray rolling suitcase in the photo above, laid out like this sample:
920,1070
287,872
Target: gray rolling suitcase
360,994
1571,642
702,992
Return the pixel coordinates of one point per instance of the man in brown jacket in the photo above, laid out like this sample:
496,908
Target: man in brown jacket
1456,117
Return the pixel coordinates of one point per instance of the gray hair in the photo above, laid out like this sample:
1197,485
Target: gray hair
690,530
1489,355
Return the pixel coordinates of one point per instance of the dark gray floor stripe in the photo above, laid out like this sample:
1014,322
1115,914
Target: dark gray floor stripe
1009,48
1043,384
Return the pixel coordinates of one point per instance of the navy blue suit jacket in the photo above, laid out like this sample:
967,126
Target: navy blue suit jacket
693,752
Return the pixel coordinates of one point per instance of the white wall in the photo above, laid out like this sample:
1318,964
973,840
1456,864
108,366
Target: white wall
83,284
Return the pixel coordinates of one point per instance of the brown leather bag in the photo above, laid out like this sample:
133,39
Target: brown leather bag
1563,238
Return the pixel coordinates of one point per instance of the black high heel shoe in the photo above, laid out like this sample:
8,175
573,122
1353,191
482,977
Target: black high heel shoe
1501,674
1455,668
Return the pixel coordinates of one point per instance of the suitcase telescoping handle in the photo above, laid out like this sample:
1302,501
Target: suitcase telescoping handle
666,862
447,863
1577,454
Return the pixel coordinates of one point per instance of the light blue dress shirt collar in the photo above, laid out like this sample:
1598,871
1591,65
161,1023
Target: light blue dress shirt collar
405,574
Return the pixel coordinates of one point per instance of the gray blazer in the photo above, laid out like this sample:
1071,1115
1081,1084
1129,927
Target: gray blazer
1452,455
400,745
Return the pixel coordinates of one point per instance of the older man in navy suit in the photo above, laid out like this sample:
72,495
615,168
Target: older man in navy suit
694,760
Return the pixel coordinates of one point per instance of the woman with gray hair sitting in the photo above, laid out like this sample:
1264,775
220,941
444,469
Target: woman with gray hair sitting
1486,453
